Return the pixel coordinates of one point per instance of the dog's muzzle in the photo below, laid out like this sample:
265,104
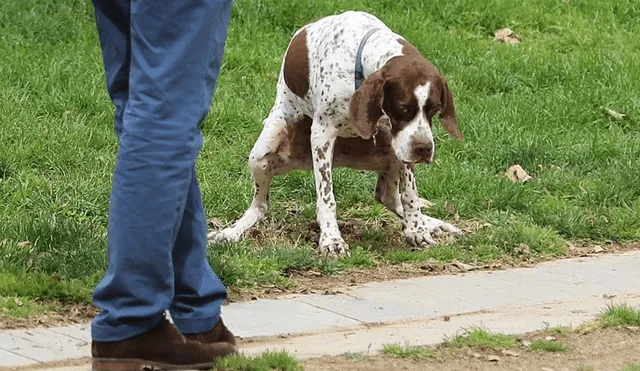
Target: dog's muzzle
422,152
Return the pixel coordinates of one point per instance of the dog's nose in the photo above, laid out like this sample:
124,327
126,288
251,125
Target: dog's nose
423,151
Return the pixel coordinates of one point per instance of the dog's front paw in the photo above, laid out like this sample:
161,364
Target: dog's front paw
418,233
225,235
333,245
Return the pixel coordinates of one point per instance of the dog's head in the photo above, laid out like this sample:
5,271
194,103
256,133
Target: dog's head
408,91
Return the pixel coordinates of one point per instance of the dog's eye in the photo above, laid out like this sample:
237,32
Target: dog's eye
404,109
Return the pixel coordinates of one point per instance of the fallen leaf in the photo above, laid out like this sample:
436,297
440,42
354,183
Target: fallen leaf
425,204
506,35
463,267
215,223
524,249
516,174
18,302
597,249
431,267
24,244
507,352
493,358
550,338
448,207
333,292
615,115
526,343
476,355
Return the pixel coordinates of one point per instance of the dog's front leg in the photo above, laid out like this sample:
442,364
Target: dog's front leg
323,137
417,227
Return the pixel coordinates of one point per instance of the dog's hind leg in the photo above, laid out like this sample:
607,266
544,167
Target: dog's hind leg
264,163
388,189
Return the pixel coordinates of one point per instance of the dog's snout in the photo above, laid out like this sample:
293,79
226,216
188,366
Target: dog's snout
423,151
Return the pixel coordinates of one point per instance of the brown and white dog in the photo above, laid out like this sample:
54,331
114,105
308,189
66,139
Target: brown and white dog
323,119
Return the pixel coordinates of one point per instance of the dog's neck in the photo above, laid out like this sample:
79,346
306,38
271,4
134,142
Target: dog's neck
379,49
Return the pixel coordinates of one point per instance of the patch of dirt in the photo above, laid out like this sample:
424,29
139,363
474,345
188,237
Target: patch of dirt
69,314
607,349
311,282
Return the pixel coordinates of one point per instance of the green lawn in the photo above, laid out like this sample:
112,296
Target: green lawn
541,104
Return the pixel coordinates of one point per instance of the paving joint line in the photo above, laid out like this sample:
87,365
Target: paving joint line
56,330
20,355
332,311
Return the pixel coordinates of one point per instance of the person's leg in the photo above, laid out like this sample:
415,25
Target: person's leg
112,323
112,20
174,45
199,293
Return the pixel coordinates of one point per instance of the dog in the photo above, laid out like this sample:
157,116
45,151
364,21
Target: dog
351,93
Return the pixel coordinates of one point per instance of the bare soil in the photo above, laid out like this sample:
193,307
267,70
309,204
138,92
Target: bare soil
70,314
601,350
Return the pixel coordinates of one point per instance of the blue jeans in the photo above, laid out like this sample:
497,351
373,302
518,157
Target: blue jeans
162,60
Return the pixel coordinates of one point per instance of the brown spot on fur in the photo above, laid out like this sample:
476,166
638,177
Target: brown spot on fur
365,107
325,173
294,148
296,65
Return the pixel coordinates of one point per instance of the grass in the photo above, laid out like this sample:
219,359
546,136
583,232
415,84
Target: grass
406,351
351,356
631,367
540,104
267,361
621,315
481,338
548,346
22,307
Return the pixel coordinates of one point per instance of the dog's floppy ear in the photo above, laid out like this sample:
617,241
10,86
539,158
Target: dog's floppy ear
447,116
365,107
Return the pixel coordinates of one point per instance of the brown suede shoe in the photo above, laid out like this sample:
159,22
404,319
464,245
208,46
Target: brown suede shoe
219,333
161,348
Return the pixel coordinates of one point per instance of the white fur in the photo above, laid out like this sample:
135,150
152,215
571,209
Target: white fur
418,129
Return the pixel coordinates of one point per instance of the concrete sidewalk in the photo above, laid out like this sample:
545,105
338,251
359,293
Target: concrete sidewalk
566,292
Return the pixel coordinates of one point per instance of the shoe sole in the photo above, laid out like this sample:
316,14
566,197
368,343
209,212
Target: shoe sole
111,364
